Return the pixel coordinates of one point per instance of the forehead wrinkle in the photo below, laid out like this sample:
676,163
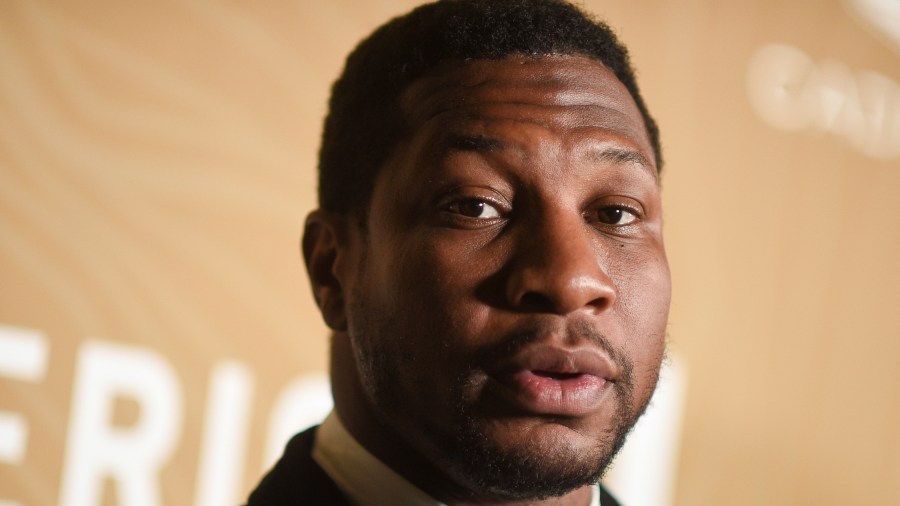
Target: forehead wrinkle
478,143
576,102
433,96
575,114
600,149
476,134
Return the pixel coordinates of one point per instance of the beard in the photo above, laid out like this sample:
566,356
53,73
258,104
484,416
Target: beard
535,469
467,452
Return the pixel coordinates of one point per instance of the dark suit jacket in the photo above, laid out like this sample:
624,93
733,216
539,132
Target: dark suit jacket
297,480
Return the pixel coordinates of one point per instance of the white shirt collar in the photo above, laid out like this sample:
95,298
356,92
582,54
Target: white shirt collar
365,480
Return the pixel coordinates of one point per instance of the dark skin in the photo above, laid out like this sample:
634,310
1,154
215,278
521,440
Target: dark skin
510,280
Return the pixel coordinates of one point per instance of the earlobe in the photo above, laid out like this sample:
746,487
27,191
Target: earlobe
324,241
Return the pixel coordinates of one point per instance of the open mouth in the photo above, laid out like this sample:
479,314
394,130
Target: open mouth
551,380
553,392
557,375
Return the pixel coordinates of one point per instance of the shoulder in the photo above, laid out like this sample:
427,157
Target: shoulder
296,478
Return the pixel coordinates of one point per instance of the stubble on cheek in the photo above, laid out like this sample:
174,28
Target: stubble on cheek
463,433
426,382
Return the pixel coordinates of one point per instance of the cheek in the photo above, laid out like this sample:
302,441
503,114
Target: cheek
644,295
643,285
452,275
425,287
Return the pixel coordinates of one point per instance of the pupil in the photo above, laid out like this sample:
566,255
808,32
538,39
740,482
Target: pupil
471,208
611,215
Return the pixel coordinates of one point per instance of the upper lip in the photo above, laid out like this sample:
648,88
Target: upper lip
561,360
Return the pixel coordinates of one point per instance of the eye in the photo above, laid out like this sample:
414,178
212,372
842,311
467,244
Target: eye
474,208
617,215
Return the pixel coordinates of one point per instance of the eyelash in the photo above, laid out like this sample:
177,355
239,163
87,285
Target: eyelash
477,202
455,210
633,211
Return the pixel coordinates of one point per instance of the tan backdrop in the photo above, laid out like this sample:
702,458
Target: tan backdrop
157,160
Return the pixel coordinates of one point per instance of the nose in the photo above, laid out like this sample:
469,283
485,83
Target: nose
558,268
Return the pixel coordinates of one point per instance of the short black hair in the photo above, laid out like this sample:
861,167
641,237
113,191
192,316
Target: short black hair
365,122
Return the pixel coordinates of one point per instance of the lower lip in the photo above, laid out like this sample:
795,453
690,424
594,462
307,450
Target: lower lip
570,396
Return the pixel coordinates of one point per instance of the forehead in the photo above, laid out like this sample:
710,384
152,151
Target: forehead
564,93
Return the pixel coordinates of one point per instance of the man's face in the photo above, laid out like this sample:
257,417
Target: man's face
508,299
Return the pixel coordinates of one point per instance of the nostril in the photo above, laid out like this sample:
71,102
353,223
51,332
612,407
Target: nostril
540,302
602,303
535,301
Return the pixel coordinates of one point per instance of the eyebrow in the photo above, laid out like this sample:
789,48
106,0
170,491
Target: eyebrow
623,156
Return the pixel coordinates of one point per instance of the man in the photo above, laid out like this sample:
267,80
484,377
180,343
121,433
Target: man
489,256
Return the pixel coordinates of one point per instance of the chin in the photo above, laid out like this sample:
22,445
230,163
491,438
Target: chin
527,458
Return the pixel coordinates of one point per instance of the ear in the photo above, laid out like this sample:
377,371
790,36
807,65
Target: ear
325,243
